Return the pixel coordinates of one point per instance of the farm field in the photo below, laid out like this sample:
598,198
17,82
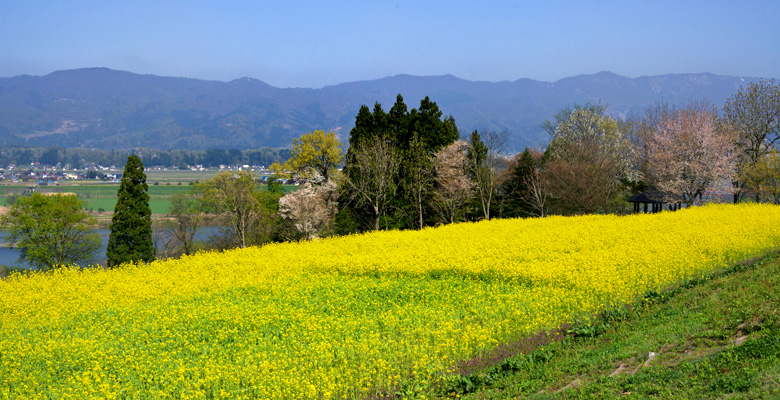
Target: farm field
102,196
174,177
374,315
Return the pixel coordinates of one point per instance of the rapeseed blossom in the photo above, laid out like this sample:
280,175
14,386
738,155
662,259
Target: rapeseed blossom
350,316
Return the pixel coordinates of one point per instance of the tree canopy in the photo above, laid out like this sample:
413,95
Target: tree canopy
589,157
51,231
314,156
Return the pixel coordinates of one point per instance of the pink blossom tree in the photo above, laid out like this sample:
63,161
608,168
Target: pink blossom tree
687,154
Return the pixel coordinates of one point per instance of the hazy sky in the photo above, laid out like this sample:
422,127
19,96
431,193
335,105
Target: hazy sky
314,44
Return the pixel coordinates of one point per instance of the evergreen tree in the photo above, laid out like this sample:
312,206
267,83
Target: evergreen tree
398,118
131,226
516,189
416,134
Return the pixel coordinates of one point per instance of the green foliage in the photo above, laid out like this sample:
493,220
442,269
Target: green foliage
415,136
51,231
477,151
314,156
763,176
130,239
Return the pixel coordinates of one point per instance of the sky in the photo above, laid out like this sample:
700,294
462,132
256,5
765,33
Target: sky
315,43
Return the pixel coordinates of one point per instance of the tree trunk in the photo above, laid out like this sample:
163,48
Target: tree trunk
420,211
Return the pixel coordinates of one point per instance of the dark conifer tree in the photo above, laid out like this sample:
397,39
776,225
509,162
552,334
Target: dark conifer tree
131,226
398,118
416,135
515,189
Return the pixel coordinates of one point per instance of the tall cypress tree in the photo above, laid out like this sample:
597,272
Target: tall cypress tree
131,226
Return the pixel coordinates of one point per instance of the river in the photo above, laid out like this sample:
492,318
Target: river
9,256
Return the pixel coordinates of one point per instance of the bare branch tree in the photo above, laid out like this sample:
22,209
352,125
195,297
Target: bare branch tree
374,174
189,214
753,114
418,176
485,159
537,192
230,195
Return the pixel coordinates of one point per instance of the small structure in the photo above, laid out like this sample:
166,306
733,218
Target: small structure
653,201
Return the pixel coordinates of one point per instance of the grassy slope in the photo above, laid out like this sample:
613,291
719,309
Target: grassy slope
713,339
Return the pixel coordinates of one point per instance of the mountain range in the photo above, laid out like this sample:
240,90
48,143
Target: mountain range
109,109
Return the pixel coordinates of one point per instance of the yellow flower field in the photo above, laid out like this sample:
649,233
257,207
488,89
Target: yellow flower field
347,317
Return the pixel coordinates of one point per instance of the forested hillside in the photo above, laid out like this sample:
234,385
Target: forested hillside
107,109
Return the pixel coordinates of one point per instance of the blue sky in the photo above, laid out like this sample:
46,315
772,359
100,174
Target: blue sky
314,44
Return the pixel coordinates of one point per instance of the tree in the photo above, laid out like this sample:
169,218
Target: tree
51,231
310,208
453,185
269,220
589,159
231,196
130,239
50,157
639,129
687,154
373,178
315,156
427,123
418,180
537,192
484,153
753,114
764,176
519,186
414,135
189,213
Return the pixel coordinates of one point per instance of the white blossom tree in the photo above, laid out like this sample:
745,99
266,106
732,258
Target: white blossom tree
310,208
453,185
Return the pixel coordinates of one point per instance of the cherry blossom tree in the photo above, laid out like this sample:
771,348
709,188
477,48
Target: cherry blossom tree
453,186
687,154
310,208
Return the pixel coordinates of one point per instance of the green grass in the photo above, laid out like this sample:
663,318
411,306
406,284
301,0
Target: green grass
178,176
715,338
158,206
98,196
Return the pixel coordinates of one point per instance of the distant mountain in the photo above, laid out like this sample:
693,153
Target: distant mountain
108,109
